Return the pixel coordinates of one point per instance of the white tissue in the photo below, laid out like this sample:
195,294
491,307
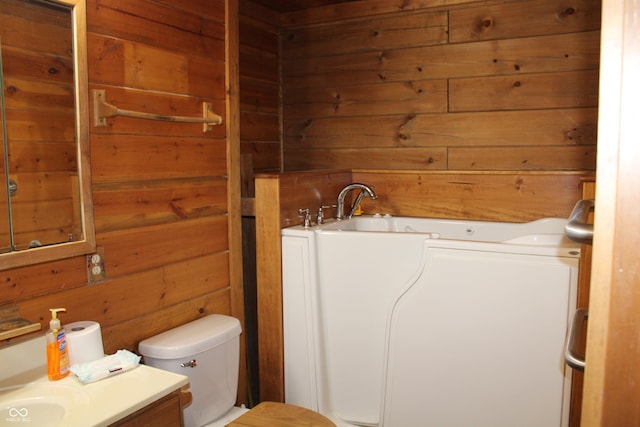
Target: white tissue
107,366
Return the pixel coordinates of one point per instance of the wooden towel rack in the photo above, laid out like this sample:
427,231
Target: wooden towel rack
102,110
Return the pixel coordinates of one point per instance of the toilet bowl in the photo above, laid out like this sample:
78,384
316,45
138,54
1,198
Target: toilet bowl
207,351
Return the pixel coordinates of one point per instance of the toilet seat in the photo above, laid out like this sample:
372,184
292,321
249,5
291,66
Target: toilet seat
270,414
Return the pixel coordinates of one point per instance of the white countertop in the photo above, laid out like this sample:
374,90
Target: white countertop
95,404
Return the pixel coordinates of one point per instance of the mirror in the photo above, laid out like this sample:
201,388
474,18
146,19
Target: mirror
46,211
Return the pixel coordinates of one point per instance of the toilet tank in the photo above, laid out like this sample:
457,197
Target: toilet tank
206,350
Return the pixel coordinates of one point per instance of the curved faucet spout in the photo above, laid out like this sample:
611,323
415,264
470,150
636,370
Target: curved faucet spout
365,191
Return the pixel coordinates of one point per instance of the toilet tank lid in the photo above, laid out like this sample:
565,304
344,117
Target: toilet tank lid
191,338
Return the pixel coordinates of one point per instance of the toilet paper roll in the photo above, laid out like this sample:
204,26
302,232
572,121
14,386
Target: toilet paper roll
85,342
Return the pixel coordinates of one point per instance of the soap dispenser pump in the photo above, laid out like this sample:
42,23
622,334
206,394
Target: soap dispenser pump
57,351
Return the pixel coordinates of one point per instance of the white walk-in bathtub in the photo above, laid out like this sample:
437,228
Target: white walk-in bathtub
409,322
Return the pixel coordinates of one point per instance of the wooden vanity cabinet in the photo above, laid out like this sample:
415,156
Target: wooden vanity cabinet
164,412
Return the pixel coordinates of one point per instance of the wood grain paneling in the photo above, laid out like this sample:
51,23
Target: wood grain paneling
291,5
358,9
259,70
393,32
259,97
418,96
525,92
485,196
114,302
269,291
501,79
164,156
155,246
234,175
550,53
156,67
119,206
259,127
522,158
54,126
133,21
414,158
260,63
495,129
525,18
22,283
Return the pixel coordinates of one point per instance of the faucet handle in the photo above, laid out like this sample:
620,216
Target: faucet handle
321,212
307,216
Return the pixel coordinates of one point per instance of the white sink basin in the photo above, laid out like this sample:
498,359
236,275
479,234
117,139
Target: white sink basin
43,404
34,412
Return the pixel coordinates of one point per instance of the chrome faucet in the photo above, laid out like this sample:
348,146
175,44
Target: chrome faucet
365,191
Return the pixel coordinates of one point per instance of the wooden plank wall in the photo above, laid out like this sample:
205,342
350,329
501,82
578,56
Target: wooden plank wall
488,196
432,85
259,89
259,79
166,197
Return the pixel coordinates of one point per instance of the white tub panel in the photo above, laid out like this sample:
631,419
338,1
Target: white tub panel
358,282
356,303
299,334
477,341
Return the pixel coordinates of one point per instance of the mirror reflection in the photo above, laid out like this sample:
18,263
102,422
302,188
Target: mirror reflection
40,204
45,201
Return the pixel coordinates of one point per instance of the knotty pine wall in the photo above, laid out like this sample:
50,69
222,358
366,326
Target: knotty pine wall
260,146
166,195
259,89
431,85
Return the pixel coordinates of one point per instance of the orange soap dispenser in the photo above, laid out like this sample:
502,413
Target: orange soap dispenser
57,351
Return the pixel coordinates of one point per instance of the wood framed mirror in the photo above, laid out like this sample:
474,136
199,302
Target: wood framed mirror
46,209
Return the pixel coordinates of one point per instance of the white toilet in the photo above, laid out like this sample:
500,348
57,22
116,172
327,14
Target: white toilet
206,350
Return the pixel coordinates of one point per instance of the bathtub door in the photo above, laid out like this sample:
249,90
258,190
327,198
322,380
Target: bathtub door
358,278
298,286
477,341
